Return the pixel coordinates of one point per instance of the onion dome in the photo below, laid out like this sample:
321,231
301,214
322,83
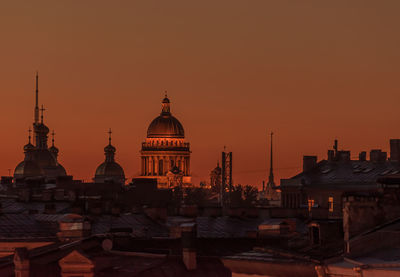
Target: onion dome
165,125
54,150
109,170
29,147
41,128
109,150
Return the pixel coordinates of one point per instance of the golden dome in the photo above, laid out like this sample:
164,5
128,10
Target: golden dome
165,125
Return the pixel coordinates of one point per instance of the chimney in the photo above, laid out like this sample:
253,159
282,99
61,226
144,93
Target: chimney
189,245
362,156
73,227
376,155
309,162
395,150
21,262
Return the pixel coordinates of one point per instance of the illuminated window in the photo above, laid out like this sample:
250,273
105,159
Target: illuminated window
330,203
310,204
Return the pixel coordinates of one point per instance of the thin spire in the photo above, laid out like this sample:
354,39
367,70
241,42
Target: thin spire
52,138
166,94
109,136
271,168
37,99
42,110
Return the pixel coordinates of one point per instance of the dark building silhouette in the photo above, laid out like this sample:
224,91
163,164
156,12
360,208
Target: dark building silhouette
109,171
40,160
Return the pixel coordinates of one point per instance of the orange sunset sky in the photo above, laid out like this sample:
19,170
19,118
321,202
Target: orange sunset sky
311,71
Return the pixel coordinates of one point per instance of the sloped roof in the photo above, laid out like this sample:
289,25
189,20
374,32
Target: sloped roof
353,172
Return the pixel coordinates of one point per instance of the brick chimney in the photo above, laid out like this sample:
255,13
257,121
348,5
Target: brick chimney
309,162
21,262
189,245
73,227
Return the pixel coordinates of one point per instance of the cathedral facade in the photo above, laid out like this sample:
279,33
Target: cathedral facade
165,154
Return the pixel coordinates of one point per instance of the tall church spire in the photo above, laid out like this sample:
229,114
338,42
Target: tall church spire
271,181
37,99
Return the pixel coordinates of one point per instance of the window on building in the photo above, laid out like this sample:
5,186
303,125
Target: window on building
310,204
330,203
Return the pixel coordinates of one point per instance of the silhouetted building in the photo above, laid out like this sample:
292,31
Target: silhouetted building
321,185
165,154
39,159
109,171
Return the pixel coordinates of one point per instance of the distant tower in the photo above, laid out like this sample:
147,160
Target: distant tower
226,177
271,181
109,171
270,192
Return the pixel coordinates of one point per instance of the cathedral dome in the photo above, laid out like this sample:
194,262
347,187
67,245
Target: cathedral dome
27,169
165,126
109,169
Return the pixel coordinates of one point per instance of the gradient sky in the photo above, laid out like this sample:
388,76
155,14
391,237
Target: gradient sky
311,71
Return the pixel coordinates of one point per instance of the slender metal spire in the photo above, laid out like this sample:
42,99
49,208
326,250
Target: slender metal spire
37,99
271,167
